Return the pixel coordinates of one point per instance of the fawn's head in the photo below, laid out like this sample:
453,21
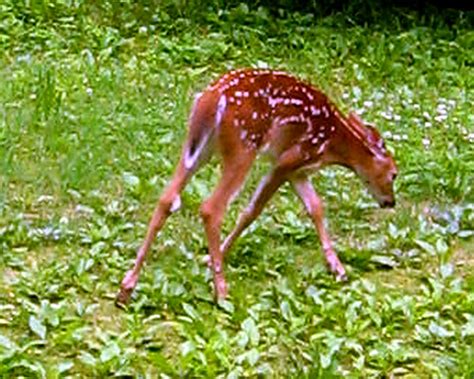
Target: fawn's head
377,169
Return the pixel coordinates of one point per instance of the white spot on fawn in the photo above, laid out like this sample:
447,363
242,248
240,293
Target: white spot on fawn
315,111
296,101
326,112
322,147
273,102
221,105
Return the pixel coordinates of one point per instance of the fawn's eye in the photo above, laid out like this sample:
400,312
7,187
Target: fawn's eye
394,176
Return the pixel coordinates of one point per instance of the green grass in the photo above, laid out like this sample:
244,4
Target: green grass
92,116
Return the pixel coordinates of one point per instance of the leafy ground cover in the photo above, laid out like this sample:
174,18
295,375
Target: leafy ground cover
93,107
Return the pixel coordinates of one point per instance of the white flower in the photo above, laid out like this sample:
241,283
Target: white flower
441,109
368,104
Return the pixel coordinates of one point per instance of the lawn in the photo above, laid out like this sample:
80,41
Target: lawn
93,107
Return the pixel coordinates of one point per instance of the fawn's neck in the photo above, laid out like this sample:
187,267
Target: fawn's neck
344,148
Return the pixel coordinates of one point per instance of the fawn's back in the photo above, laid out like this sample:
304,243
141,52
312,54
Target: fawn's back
265,109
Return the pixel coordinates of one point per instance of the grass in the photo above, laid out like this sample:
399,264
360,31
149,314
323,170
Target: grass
92,116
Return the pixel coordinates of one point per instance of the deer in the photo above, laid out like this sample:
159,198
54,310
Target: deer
250,111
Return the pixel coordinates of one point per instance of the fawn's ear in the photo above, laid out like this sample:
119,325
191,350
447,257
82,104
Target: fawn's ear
368,133
374,138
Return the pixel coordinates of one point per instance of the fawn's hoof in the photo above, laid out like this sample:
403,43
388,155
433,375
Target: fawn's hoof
336,267
339,272
123,297
341,277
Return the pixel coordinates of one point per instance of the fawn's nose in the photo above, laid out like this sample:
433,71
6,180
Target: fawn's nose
388,203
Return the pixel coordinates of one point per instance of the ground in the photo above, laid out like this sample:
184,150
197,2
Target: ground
93,114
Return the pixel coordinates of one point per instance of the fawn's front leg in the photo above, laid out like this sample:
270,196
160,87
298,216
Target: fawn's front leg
314,207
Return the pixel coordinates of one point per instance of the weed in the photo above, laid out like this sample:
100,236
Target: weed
93,107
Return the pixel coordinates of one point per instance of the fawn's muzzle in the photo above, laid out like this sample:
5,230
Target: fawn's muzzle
388,203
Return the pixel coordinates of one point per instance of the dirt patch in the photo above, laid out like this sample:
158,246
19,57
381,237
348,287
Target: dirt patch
463,258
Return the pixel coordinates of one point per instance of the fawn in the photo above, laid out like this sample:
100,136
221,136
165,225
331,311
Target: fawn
248,111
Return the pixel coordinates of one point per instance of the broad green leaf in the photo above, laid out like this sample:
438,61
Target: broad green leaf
251,329
37,327
286,310
446,270
325,360
33,366
439,331
87,358
187,348
131,180
242,338
227,306
467,330
466,234
234,374
191,311
426,247
441,246
253,356
7,343
109,352
384,260
315,294
65,366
